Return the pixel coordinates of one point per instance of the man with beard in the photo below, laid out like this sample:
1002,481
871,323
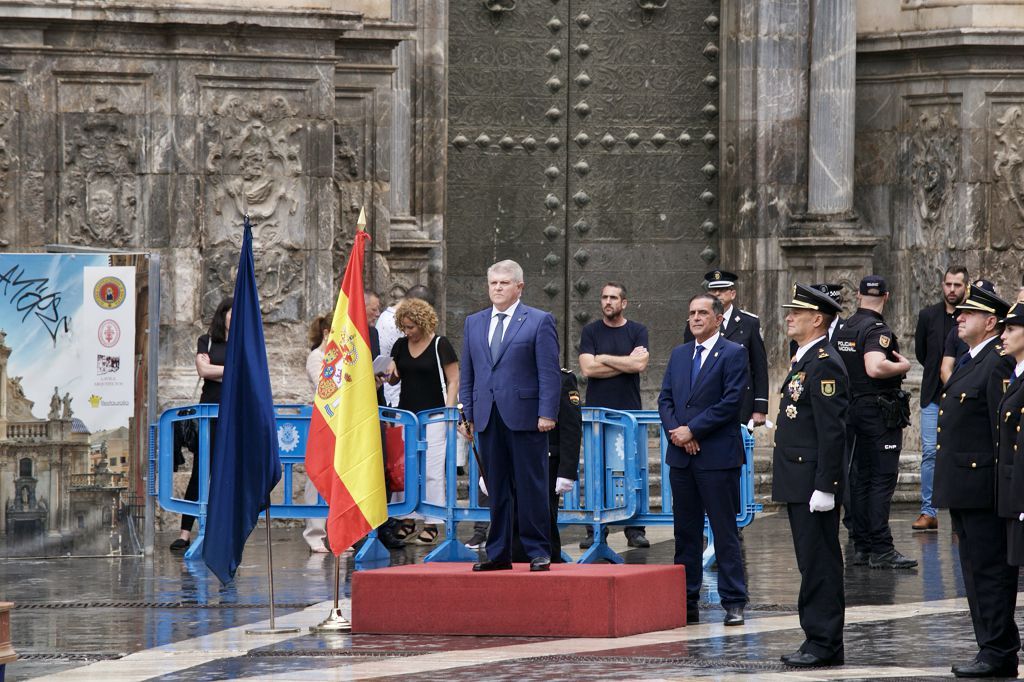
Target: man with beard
934,325
613,352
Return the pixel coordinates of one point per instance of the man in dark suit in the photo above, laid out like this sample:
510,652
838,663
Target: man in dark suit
934,324
743,328
701,395
808,473
965,480
563,461
509,387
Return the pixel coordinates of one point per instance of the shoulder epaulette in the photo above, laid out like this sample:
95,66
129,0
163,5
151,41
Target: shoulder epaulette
1000,349
822,354
747,312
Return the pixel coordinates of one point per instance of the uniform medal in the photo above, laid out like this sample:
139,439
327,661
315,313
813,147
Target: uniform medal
791,411
796,386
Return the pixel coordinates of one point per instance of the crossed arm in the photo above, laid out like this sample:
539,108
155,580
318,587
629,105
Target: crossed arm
604,366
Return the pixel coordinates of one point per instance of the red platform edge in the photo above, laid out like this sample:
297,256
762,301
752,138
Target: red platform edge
572,600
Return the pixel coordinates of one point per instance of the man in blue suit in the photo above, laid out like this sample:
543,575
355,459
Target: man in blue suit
509,385
700,402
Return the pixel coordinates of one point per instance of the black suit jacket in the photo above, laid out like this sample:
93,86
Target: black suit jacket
374,352
745,329
965,455
564,439
810,438
1008,453
929,339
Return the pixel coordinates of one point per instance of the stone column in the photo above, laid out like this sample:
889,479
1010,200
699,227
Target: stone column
832,83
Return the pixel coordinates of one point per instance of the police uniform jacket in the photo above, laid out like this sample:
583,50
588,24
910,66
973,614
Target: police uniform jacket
1008,451
745,329
811,435
965,454
564,439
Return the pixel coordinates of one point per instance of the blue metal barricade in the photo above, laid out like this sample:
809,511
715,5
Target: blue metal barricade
292,435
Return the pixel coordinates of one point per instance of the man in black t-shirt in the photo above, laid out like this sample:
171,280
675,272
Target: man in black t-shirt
613,352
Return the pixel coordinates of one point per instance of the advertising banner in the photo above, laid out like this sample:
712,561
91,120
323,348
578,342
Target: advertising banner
67,355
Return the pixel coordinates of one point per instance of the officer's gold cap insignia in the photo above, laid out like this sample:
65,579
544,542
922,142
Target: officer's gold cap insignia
718,275
574,397
828,387
884,341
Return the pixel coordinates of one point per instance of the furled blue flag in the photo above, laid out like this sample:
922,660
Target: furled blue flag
245,465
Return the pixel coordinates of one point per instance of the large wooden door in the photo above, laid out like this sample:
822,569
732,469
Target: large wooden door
584,144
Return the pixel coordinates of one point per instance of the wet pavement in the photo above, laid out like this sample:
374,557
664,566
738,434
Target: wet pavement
161,618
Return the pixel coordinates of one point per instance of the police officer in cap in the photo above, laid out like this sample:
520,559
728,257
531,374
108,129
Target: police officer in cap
1010,443
808,473
965,462
743,328
835,292
879,410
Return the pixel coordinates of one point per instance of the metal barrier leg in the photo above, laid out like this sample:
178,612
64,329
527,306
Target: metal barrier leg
373,554
451,549
600,551
709,551
566,559
195,550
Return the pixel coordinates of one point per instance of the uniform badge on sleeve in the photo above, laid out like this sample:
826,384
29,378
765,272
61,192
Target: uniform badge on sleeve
828,387
574,397
883,340
796,386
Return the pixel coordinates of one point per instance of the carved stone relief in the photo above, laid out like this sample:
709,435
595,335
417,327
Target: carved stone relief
100,185
279,276
1007,229
935,159
253,162
7,159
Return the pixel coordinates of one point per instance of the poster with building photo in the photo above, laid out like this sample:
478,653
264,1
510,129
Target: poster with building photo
66,344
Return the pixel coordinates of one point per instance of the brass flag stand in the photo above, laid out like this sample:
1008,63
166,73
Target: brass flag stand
335,622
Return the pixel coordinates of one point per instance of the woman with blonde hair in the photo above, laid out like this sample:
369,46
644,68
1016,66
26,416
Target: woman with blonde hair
428,367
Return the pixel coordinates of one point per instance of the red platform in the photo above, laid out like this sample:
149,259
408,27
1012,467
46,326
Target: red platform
572,600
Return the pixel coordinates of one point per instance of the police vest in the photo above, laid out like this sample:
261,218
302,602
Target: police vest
849,342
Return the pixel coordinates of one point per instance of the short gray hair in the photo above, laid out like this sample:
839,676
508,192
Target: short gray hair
507,267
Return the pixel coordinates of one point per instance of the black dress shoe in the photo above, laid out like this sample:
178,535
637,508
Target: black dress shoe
179,545
692,614
802,659
733,615
493,566
891,559
637,538
858,559
388,539
983,669
540,563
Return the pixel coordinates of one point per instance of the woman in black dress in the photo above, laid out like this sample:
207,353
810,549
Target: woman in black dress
210,351
428,368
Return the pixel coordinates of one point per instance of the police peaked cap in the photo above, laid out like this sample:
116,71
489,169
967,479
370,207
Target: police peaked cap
1015,316
720,279
809,298
834,291
981,296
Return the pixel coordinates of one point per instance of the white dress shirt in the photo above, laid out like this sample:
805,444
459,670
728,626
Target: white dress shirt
977,349
802,350
707,345
510,312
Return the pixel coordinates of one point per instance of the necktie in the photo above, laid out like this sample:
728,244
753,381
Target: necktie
496,337
695,366
1013,378
964,359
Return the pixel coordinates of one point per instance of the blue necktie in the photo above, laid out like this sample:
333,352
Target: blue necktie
1013,378
496,337
695,367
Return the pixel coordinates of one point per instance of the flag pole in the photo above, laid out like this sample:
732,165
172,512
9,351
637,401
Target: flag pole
335,622
272,630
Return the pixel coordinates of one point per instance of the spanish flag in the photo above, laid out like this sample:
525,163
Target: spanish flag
343,454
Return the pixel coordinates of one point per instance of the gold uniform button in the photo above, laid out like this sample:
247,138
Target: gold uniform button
1007,415
938,447
938,429
1018,429
940,412
974,465
799,459
943,395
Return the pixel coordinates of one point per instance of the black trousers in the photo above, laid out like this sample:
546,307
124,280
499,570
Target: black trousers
991,583
876,458
192,489
822,601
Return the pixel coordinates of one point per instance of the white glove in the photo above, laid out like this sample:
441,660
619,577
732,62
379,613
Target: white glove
562,485
483,486
822,502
